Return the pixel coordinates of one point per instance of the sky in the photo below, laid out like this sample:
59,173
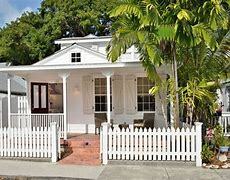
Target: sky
11,9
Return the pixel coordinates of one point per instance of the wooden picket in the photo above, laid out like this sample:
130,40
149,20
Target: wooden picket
27,142
153,144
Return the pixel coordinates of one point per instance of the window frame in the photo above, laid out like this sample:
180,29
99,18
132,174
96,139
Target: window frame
76,57
144,94
105,95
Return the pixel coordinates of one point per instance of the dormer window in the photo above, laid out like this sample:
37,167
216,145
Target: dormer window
75,57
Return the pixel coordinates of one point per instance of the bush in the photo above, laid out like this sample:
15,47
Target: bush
218,135
207,154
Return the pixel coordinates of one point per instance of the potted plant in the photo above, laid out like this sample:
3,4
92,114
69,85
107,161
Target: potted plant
224,145
221,142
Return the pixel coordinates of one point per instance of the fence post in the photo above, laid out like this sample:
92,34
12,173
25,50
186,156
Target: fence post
105,126
198,143
54,142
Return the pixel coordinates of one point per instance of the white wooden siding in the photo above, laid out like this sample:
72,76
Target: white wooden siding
130,94
118,94
87,94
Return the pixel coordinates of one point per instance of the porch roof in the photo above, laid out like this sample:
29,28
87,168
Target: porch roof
20,70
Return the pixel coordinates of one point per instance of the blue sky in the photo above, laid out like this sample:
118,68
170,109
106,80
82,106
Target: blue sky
11,9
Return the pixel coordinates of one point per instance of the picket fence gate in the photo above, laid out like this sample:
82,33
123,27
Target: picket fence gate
151,144
30,143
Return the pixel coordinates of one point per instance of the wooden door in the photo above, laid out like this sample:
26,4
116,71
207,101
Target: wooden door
39,98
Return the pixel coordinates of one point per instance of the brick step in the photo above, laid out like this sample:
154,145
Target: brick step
85,150
81,159
83,144
85,137
84,156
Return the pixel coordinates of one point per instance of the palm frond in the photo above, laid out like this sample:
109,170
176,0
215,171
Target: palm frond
202,32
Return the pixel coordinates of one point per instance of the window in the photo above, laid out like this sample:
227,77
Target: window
228,98
145,101
76,57
39,97
101,95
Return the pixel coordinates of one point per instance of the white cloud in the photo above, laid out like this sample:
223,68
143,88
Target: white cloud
9,13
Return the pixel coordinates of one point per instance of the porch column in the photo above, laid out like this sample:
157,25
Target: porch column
108,76
9,98
64,80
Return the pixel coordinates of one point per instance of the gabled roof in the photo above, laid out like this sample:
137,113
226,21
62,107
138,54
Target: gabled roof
89,38
65,50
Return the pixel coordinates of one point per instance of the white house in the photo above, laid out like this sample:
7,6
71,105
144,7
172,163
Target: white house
17,89
224,95
78,87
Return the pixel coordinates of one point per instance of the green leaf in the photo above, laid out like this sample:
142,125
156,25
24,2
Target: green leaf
184,14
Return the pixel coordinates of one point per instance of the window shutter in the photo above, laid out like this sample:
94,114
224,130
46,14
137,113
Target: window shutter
118,95
87,92
130,94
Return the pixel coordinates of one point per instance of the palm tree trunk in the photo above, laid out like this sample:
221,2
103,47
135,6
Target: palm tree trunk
176,102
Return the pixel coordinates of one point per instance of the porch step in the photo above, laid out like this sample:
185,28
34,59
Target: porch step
85,150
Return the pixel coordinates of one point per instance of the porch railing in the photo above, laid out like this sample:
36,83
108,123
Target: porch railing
38,120
225,122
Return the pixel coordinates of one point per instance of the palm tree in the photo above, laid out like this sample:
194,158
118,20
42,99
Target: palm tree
158,29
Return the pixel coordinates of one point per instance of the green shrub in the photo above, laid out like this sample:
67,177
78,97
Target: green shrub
218,135
207,154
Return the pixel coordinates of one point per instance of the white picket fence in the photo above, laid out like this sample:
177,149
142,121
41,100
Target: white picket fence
30,143
151,144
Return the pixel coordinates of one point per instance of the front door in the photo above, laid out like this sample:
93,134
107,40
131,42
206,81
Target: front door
39,98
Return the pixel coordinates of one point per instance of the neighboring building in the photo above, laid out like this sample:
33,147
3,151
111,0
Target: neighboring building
18,88
75,85
224,95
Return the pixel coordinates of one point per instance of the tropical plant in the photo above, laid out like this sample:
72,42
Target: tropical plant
161,30
219,138
207,154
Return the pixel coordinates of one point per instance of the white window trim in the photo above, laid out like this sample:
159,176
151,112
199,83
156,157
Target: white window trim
101,76
75,57
142,112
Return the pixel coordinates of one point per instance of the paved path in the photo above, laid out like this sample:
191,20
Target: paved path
46,170
130,172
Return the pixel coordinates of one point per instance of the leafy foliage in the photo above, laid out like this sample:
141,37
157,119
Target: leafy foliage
190,34
30,38
207,154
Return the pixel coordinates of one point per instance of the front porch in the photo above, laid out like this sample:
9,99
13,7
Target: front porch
86,96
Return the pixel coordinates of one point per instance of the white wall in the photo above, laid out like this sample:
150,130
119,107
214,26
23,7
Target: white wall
4,108
1,110
88,56
77,120
224,95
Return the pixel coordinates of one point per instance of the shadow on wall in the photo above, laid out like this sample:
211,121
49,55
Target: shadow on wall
4,109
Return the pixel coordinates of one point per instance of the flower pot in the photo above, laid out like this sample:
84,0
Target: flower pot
224,149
